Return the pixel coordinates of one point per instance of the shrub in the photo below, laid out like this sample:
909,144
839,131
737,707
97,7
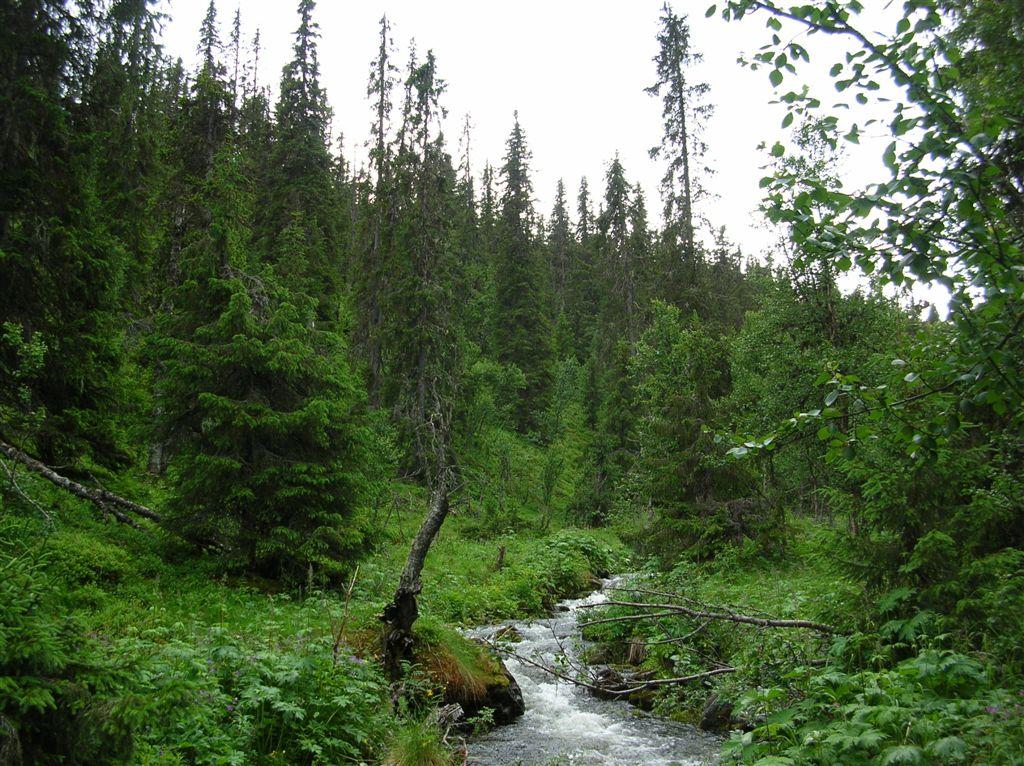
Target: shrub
59,695
224,701
934,708
80,559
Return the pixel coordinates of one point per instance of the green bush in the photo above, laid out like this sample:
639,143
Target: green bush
80,559
934,708
225,700
418,743
60,696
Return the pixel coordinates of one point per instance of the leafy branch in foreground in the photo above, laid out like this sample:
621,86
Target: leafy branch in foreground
950,212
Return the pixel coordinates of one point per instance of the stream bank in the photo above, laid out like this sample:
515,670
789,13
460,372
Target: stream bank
564,723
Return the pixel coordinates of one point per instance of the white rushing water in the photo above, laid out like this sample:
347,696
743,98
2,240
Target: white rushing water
566,724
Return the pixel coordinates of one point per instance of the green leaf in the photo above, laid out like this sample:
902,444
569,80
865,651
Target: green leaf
710,11
948,748
778,150
889,156
787,120
902,754
775,77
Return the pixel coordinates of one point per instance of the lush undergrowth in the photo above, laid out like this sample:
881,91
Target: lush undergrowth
912,691
118,647
804,584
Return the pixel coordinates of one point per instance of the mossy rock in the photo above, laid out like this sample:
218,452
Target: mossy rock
501,695
472,676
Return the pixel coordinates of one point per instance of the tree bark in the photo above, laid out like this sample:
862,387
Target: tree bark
108,502
401,613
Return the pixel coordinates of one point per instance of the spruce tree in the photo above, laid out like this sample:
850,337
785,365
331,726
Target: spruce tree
378,215
684,112
523,330
61,266
299,229
477,268
583,281
560,246
638,254
419,332
619,270
258,405
676,374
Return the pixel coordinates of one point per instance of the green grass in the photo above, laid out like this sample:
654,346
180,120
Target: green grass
197,665
418,743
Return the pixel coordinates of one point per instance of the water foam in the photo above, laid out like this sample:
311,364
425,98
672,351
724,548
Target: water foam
564,721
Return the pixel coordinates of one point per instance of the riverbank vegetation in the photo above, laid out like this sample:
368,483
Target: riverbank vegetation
235,373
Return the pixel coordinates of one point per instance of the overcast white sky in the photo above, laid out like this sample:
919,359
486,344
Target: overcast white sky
576,71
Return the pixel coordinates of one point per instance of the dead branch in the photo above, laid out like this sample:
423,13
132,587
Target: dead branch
669,609
12,476
680,639
730,608
606,690
107,501
680,680
340,632
625,617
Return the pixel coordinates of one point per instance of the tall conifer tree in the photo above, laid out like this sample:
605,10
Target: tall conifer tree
684,112
380,213
257,402
523,330
62,267
560,245
300,228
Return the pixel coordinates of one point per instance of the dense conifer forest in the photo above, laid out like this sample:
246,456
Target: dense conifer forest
275,430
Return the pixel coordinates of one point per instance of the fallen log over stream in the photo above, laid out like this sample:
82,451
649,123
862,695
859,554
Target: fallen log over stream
604,688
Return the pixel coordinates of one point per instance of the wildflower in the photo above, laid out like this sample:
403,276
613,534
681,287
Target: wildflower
991,709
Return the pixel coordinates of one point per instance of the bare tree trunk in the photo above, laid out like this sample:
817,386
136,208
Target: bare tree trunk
401,613
500,563
399,616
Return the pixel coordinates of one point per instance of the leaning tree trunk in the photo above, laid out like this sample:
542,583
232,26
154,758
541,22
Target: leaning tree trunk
401,613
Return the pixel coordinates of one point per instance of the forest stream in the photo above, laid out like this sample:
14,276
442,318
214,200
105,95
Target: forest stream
566,724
